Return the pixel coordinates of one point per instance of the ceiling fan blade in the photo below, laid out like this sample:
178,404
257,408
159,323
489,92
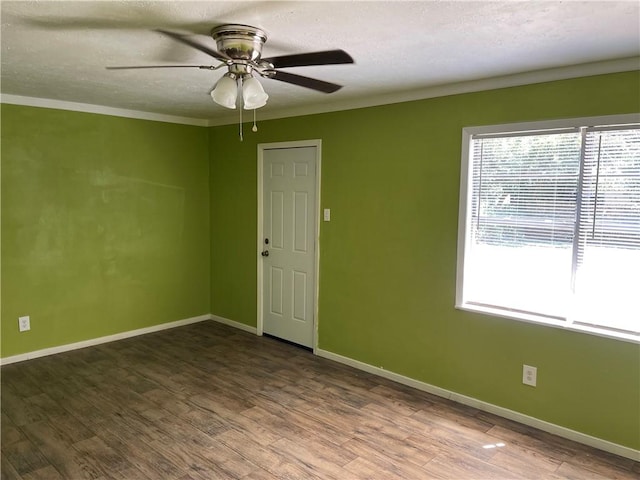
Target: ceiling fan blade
312,83
203,67
203,48
327,57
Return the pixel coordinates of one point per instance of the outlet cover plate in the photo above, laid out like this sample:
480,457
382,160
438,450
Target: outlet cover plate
529,375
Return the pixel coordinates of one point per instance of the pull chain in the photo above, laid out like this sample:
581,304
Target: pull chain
241,105
255,127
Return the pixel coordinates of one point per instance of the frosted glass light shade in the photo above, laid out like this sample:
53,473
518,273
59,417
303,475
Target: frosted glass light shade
253,94
225,92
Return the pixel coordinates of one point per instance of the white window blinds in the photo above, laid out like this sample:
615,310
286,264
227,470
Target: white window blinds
554,225
607,263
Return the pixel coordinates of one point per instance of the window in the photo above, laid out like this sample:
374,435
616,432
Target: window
550,223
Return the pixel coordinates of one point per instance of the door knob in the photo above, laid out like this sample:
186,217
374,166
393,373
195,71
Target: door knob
265,253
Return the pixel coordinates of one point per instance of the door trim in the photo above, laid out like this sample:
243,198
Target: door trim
259,260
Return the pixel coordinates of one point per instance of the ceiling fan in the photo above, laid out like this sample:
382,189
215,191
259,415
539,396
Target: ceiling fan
239,48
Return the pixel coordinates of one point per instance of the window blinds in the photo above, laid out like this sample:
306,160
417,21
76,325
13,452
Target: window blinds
610,208
524,189
607,243
555,224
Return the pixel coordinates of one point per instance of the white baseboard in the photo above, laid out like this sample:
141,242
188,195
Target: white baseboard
97,341
122,335
441,392
487,407
233,323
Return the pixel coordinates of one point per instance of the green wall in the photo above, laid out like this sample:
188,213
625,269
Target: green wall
390,175
112,224
105,225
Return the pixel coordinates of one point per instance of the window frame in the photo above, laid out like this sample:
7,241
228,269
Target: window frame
464,229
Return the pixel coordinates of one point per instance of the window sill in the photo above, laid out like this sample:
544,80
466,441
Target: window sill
540,320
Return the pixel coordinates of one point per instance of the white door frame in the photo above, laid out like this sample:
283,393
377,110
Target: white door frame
260,245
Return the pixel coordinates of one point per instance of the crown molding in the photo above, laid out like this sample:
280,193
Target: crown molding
505,81
99,109
493,83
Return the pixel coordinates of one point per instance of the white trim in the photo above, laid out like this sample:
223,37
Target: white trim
372,100
417,384
234,324
259,269
97,341
464,227
487,407
574,122
463,220
99,109
316,294
549,322
317,143
470,86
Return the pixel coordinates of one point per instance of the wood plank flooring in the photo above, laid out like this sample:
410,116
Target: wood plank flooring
207,401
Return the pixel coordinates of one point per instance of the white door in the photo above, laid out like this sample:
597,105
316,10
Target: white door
288,242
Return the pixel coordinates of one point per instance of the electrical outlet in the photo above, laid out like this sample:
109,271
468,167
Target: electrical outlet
24,323
529,375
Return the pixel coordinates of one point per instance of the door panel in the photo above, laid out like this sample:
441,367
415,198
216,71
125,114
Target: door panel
277,220
299,296
276,291
289,223
300,221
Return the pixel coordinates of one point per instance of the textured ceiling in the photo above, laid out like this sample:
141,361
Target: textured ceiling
59,50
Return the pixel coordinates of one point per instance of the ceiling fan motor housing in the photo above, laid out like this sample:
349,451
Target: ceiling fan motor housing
239,42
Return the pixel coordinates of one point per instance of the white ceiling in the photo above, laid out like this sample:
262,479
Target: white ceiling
58,49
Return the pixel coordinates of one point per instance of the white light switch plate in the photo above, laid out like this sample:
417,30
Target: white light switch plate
327,214
24,323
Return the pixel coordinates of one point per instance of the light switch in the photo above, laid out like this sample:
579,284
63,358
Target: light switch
327,214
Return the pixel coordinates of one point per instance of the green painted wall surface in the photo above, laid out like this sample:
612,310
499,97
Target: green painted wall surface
390,175
105,225
233,229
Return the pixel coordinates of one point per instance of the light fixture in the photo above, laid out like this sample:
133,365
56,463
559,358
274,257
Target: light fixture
226,91
253,95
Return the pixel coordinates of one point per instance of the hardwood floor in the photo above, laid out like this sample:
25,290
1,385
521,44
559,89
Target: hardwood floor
207,401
